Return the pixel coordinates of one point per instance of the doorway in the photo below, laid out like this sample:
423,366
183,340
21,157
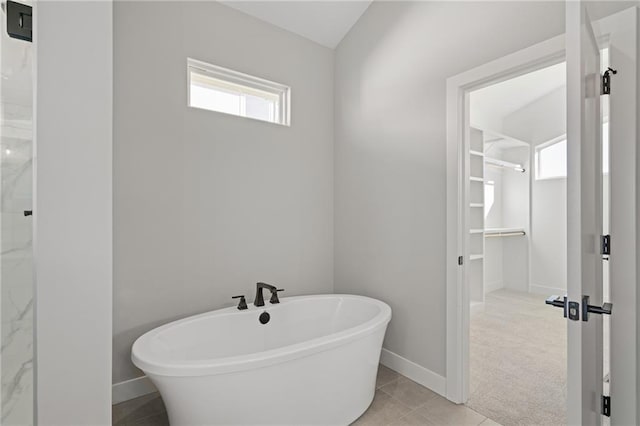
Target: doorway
518,239
617,32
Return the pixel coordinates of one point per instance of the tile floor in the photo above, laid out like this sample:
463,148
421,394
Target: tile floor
402,402
398,402
147,410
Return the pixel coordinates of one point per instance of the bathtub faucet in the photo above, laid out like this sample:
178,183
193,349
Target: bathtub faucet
274,294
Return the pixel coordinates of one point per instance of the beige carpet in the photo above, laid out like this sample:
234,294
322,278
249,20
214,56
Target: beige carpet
518,360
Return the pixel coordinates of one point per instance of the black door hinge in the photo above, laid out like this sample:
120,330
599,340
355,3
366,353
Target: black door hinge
460,260
606,81
19,21
605,245
606,406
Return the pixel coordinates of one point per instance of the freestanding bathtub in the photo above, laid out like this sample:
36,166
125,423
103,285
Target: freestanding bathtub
313,363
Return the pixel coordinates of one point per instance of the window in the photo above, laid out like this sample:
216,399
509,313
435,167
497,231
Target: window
219,89
489,197
551,159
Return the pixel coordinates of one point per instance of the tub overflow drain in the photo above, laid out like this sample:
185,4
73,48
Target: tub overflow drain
264,317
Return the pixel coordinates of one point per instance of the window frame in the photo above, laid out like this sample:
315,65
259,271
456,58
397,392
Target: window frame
230,77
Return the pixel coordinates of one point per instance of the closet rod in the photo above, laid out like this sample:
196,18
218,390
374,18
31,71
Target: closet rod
505,164
505,234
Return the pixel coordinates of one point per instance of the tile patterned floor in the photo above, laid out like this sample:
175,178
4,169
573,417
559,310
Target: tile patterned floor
147,410
398,402
402,402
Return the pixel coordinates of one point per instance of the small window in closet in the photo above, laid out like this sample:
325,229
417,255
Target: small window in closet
551,159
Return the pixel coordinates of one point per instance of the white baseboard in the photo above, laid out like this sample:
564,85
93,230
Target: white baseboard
415,372
130,389
476,307
496,285
540,289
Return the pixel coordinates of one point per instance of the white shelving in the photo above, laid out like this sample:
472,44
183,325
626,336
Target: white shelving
476,217
506,244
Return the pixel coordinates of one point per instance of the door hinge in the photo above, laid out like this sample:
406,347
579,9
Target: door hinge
460,260
606,406
605,244
606,81
19,20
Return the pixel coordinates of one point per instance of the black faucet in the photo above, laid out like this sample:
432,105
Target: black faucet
274,294
243,303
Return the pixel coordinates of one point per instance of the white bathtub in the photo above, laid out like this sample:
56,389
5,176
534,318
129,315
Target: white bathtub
313,363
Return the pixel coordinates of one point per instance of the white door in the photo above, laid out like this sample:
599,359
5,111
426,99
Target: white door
584,215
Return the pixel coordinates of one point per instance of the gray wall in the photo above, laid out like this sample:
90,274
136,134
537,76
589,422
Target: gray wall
549,196
390,136
73,214
206,204
390,150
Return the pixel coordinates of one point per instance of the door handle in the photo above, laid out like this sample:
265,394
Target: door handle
570,309
605,309
557,301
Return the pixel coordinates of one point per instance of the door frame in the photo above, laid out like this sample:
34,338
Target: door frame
621,28
541,55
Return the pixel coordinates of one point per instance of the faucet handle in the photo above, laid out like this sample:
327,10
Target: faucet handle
274,296
243,303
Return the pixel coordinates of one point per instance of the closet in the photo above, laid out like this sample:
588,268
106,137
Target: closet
499,214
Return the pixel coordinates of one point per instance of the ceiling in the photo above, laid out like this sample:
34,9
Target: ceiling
325,22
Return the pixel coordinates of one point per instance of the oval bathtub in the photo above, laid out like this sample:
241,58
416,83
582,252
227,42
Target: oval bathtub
313,363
